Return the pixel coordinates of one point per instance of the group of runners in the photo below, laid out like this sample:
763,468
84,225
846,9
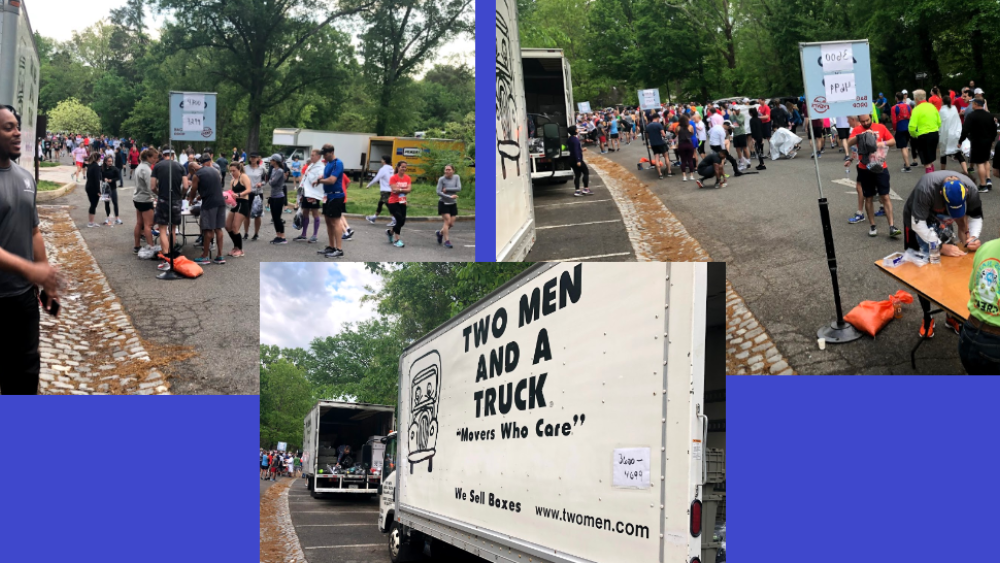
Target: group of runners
275,463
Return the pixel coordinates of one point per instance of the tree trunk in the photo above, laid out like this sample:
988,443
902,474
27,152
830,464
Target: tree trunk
730,48
701,75
385,99
253,138
976,38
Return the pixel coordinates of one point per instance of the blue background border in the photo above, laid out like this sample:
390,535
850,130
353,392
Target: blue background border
486,194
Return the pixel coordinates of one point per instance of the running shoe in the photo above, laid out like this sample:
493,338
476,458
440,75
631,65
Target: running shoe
388,233
346,236
894,231
927,331
700,185
202,260
846,158
164,267
873,231
279,241
439,236
334,254
880,212
447,244
92,225
762,167
154,232
392,223
858,217
586,191
326,250
722,185
118,221
255,237
302,238
219,260
135,250
954,325
907,169
370,219
985,189
399,244
578,193
199,240
312,239
737,174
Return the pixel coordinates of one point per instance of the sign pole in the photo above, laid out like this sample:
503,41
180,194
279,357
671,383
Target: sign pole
170,274
839,331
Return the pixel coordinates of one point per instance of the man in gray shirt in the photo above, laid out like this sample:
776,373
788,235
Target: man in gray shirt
23,266
255,171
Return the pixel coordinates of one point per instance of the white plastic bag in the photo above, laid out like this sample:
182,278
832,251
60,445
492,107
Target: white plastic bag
967,148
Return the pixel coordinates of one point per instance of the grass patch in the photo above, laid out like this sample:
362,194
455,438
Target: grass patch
45,164
47,186
422,201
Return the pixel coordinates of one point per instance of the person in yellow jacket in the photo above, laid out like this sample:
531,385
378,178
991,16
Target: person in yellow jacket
925,122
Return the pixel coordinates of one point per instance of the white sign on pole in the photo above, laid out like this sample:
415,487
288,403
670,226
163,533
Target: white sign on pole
840,87
282,446
631,468
649,99
584,107
837,57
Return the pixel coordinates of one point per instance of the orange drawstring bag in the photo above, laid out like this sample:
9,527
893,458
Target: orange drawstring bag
185,267
871,316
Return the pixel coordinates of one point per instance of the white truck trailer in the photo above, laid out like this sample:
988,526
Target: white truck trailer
331,424
351,148
562,419
515,210
19,72
548,97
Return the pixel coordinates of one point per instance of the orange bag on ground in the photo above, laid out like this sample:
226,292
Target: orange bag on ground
871,316
185,267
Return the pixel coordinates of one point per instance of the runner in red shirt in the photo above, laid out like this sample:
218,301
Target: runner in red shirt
764,112
872,183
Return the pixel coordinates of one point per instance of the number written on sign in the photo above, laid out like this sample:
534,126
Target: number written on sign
840,88
194,103
837,57
194,122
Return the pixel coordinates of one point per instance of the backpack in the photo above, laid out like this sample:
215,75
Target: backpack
867,149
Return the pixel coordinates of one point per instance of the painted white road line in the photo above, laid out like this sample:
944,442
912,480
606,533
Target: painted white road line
578,224
582,258
346,546
572,202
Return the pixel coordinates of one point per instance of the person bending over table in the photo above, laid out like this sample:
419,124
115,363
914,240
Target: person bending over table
944,208
979,340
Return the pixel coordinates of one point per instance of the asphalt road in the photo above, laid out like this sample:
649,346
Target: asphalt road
767,228
578,228
341,529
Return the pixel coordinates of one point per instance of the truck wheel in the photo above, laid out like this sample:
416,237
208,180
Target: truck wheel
398,549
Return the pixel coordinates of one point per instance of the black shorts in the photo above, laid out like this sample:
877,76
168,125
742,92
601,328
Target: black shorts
447,208
701,147
707,171
817,132
614,135
958,157
926,146
740,141
162,211
872,184
903,140
384,197
843,133
334,208
311,203
142,206
980,153
242,207
133,166
659,149
766,127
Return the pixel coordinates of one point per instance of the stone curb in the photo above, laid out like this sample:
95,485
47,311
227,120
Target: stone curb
749,348
55,194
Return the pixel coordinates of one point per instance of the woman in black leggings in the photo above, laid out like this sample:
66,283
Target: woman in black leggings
685,146
93,185
113,177
278,199
400,183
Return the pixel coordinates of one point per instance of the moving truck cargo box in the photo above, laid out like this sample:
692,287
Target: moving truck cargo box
561,416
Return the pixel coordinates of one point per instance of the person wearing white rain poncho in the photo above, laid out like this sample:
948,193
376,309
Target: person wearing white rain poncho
784,144
951,130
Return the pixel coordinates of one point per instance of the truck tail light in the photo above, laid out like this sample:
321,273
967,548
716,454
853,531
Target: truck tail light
695,560
696,519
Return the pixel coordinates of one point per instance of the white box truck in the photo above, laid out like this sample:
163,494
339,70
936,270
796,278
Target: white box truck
19,72
562,419
331,424
548,98
515,209
351,148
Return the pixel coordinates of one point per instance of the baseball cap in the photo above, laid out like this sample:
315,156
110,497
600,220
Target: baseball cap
954,196
277,157
978,102
205,158
978,91
727,122
746,100
905,92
